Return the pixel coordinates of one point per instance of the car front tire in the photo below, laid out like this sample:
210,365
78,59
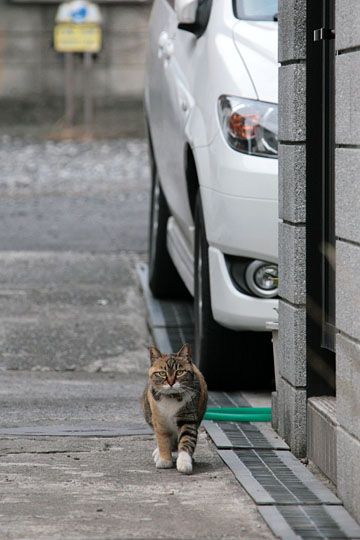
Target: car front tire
227,359
164,280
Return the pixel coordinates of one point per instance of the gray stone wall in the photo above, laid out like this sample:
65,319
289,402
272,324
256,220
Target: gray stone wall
31,70
291,393
347,179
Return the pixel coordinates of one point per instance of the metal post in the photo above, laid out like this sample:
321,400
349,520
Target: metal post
69,89
88,96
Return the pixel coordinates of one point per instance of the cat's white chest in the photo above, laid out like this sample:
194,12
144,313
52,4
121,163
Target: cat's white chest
168,408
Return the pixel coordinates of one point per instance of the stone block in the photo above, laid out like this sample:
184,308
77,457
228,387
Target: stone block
347,24
347,164
292,30
127,18
292,268
18,81
20,18
128,48
348,98
348,471
292,102
275,411
292,416
348,384
126,81
101,81
20,48
292,343
53,81
292,183
48,14
348,288
321,434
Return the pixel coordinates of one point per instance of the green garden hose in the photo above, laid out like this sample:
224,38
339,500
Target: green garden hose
238,414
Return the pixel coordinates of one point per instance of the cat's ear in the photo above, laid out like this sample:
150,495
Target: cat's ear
155,354
185,352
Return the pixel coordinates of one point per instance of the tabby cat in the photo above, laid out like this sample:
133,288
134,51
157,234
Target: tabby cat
174,404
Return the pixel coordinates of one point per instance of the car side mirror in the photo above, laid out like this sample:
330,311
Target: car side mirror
186,12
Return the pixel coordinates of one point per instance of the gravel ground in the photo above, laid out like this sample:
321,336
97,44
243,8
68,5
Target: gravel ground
78,196
47,167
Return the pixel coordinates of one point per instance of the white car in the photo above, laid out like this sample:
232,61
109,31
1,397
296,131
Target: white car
211,111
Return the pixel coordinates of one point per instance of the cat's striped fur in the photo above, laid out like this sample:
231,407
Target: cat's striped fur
174,404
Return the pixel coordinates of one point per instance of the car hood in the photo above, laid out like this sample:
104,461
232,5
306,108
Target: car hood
257,44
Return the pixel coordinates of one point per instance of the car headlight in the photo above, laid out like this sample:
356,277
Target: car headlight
249,126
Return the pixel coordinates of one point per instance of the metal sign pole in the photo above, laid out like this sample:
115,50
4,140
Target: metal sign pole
88,95
69,89
78,29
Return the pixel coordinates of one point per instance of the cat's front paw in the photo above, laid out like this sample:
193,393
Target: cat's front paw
184,463
162,463
156,454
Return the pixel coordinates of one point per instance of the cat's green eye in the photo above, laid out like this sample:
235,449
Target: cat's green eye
162,373
180,372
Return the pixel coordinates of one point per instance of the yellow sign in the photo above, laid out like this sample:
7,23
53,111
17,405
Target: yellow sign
80,38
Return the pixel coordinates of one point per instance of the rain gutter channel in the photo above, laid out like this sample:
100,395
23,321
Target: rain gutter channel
290,499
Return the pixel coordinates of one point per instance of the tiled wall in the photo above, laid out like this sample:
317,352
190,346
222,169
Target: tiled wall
291,394
347,165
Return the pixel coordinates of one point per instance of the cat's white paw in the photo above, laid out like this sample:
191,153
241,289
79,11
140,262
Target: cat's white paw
155,454
184,463
162,463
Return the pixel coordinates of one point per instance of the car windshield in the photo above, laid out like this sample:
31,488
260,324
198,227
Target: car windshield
256,10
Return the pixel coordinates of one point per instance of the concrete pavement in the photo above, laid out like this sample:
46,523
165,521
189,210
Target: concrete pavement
73,361
75,488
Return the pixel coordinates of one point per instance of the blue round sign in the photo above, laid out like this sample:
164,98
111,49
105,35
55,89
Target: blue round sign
79,14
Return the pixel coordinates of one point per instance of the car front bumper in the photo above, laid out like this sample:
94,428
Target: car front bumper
239,194
241,226
234,309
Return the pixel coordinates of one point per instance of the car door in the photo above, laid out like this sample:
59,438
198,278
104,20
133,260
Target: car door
154,78
184,64
174,75
177,101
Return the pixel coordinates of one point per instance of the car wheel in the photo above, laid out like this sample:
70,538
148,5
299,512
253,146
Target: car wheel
164,280
227,359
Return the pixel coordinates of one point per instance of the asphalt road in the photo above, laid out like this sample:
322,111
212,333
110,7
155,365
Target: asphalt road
75,451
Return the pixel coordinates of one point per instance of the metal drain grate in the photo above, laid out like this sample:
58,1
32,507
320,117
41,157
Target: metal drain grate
294,522
244,435
179,336
276,477
164,313
177,313
227,399
171,339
